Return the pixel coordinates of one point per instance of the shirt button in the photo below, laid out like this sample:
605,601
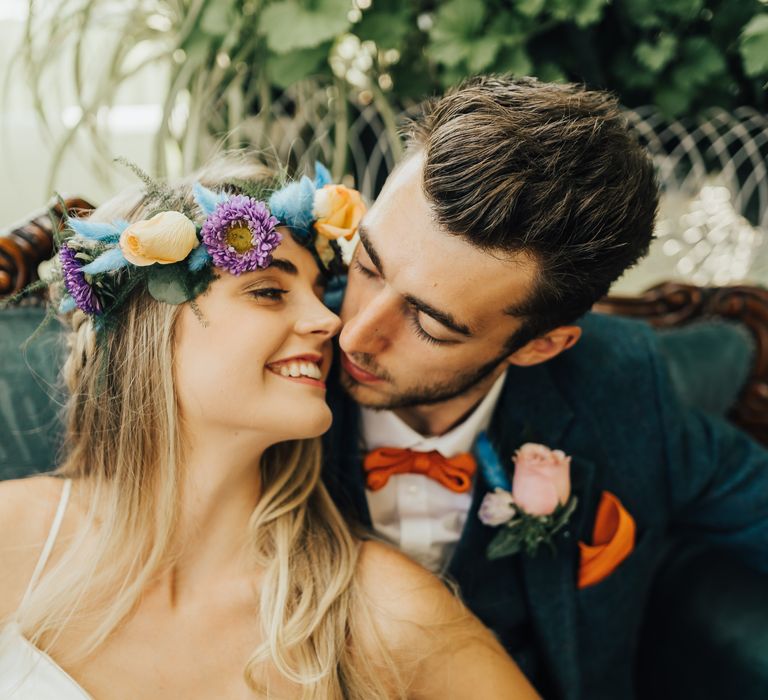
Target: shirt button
413,489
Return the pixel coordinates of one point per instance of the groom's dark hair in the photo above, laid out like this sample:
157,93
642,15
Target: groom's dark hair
514,165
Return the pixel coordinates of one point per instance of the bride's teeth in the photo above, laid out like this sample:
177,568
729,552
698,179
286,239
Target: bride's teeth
300,369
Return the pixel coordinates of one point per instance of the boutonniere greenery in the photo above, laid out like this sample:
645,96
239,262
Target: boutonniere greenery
532,507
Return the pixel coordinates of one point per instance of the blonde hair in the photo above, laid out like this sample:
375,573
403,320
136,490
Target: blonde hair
123,449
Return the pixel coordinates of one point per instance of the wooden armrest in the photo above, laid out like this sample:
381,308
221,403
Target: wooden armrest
23,247
672,304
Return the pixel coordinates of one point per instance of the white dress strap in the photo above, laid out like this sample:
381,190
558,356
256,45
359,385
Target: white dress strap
48,546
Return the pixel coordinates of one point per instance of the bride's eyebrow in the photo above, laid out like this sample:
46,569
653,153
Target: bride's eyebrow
289,268
284,265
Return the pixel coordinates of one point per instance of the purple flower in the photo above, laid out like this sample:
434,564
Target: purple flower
75,283
240,235
497,508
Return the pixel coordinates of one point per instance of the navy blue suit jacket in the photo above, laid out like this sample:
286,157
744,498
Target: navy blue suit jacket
608,403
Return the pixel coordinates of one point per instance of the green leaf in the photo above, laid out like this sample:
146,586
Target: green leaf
656,56
513,59
581,12
289,24
530,8
452,76
630,74
511,30
505,543
642,13
686,10
166,283
483,52
589,12
217,18
453,35
673,100
753,46
286,69
460,17
702,61
388,30
449,53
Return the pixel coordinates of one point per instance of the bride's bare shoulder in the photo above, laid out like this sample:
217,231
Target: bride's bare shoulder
24,504
404,597
440,649
27,508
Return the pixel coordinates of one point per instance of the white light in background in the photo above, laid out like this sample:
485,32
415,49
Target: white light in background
120,119
721,243
14,10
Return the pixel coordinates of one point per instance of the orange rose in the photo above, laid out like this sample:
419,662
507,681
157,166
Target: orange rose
337,211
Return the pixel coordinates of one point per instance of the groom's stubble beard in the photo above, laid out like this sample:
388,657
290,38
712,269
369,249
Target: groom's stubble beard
420,395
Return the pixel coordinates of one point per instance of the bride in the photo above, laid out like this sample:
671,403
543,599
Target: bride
184,547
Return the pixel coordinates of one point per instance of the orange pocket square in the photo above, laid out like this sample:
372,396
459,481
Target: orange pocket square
613,539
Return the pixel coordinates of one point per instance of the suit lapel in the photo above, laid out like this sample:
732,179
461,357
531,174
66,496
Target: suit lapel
532,409
550,583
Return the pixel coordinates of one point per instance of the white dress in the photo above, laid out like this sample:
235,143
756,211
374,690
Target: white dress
26,673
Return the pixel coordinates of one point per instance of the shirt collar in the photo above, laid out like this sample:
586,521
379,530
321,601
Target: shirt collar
385,429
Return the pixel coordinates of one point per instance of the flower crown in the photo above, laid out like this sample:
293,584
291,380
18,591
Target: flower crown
175,256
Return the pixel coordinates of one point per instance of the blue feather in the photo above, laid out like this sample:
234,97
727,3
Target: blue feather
490,466
207,199
66,305
198,258
92,231
110,261
322,175
293,204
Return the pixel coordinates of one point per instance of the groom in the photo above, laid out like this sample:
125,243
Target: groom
516,207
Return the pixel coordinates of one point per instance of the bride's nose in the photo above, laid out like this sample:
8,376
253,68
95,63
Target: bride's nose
318,319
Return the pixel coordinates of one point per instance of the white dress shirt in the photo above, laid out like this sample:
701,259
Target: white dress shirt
414,512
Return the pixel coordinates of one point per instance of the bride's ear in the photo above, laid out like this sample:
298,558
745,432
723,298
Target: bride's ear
546,346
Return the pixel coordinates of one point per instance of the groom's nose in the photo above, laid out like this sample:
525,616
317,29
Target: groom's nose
370,328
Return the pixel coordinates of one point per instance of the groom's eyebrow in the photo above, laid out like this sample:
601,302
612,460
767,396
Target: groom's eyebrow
372,254
442,317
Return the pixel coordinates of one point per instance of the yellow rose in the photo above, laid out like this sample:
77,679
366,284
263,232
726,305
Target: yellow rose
165,238
337,211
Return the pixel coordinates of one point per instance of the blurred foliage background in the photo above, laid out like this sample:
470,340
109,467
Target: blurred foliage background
225,63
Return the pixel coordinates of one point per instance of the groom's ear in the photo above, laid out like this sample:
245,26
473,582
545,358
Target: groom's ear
546,346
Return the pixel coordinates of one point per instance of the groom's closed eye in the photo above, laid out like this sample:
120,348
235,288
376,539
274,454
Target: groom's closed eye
416,306
364,270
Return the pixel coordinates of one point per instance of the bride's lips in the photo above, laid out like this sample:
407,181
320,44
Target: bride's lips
357,373
314,359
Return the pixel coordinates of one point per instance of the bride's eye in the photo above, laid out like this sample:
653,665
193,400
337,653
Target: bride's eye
269,293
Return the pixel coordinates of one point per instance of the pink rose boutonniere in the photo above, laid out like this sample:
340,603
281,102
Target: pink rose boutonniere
537,504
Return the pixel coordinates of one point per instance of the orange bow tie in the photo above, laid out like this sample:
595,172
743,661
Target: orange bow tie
455,473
